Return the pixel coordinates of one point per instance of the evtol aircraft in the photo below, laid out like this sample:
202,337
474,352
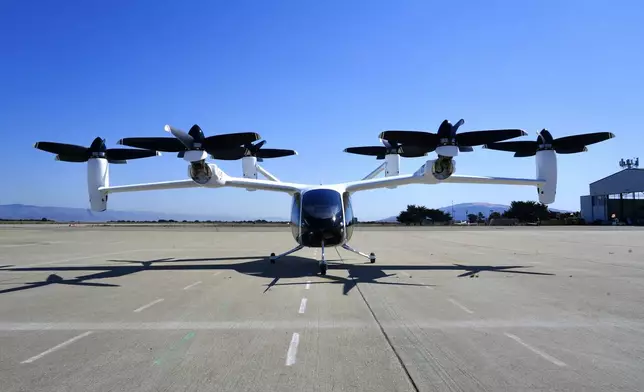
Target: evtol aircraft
322,215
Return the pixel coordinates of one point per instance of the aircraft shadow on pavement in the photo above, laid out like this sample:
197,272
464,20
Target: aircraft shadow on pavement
288,267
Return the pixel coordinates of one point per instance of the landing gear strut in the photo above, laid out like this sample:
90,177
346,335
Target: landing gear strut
371,256
273,257
323,264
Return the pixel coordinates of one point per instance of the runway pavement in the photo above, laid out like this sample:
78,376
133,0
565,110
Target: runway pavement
202,309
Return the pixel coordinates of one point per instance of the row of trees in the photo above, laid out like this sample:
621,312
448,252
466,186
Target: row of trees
523,211
420,214
531,211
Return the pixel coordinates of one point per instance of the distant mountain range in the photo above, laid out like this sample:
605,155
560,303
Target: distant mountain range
459,211
66,214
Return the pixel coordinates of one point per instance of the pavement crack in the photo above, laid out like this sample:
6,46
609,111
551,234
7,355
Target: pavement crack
384,333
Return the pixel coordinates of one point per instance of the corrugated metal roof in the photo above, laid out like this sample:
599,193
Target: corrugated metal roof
624,181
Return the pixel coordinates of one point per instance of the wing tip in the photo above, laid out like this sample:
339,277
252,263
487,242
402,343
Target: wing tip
167,128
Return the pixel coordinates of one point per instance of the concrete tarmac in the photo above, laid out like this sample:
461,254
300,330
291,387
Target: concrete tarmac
201,309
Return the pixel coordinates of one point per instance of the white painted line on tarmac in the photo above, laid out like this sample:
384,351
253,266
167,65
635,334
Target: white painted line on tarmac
51,350
534,350
216,273
303,305
460,306
308,285
191,285
292,349
148,305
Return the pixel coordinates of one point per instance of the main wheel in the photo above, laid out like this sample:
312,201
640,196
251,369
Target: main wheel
322,269
372,257
272,258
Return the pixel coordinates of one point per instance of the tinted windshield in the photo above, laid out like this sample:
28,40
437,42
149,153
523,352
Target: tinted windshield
322,204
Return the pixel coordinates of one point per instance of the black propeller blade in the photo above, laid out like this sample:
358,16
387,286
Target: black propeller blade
75,153
447,136
166,144
576,141
380,152
564,145
194,139
250,150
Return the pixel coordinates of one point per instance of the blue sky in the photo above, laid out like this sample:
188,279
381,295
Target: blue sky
315,77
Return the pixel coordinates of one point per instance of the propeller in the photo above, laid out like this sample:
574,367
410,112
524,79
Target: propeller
447,136
250,150
388,148
563,145
75,153
193,140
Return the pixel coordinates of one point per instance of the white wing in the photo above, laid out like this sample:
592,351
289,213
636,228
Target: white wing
418,178
458,179
387,182
263,185
221,180
150,186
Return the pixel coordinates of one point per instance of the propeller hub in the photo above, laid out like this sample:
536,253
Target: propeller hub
447,141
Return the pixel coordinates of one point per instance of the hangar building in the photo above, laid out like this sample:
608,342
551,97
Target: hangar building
621,193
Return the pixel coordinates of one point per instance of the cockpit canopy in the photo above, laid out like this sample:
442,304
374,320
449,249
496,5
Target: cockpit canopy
322,204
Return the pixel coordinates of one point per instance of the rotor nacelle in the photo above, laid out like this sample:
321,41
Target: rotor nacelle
249,167
98,175
392,165
447,151
200,172
443,167
546,162
440,169
194,155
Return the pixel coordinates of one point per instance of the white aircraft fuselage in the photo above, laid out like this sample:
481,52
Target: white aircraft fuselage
322,217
